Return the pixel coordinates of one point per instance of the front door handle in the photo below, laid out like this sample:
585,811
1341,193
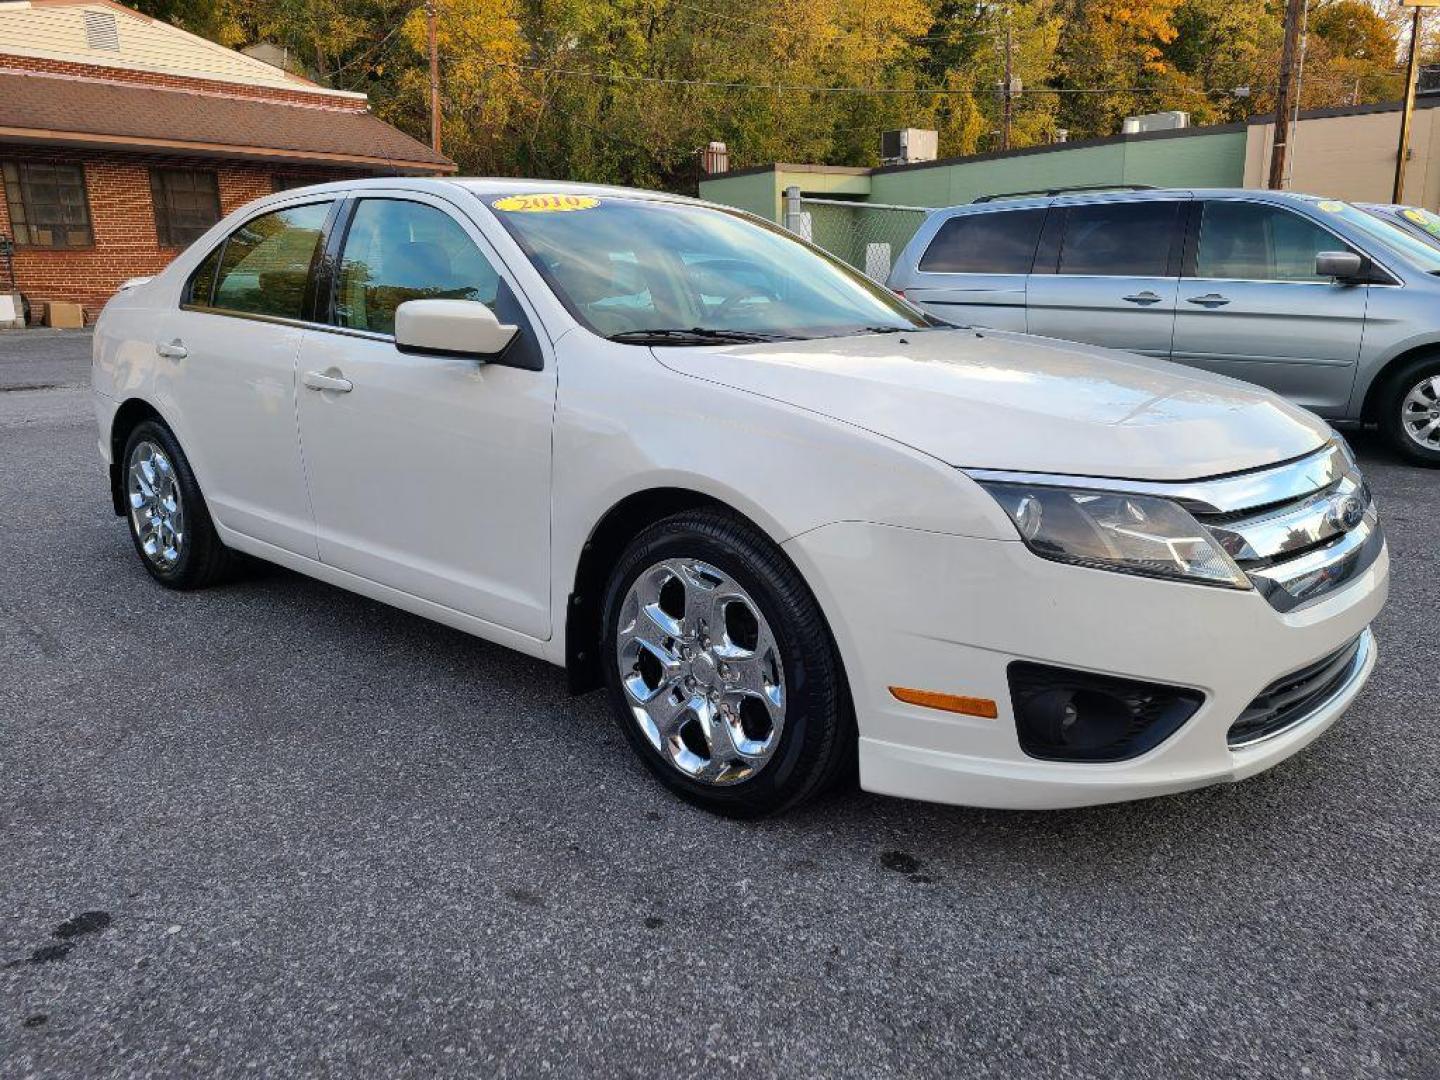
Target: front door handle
1144,298
1209,300
172,350
319,380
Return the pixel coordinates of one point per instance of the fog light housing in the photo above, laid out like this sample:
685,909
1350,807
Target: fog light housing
1064,715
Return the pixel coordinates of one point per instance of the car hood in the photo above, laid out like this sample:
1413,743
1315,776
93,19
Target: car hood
1010,401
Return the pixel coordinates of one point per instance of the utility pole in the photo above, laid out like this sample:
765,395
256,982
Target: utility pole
1412,69
1007,107
1293,11
434,78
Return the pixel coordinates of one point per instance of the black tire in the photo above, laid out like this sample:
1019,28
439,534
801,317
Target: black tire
1391,406
818,741
203,560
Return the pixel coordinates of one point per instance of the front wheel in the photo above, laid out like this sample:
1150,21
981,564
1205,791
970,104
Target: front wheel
721,670
1410,411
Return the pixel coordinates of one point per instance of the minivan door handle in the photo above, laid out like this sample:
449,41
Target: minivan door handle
1146,297
1209,300
318,380
171,350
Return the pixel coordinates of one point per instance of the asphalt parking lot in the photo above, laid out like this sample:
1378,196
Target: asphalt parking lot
276,829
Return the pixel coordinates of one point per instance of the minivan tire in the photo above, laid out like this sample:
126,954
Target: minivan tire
1392,405
817,741
202,558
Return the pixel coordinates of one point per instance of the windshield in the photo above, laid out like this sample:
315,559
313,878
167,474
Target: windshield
1391,236
652,272
1412,218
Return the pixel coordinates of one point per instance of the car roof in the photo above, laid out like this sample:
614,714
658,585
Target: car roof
484,186
1023,202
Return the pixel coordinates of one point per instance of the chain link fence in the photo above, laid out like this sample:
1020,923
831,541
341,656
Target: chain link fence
868,236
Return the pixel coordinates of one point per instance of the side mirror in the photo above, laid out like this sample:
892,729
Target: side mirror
1340,265
451,328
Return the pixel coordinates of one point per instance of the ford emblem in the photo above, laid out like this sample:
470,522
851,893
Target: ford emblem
1345,512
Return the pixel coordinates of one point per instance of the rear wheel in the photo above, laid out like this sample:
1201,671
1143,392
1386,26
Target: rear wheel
168,520
1410,411
721,670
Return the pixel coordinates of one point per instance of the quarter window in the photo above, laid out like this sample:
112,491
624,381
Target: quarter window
996,242
201,287
397,251
265,268
1119,239
1252,242
48,204
187,203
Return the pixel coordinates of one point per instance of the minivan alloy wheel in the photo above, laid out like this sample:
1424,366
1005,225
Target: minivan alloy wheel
156,509
701,671
1420,413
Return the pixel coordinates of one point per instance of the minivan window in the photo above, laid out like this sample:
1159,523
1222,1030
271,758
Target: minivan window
994,242
1255,242
1119,239
266,265
397,251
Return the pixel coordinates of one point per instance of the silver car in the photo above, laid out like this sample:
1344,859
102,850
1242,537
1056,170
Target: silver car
1333,307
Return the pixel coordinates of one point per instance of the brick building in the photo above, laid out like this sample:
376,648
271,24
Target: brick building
123,138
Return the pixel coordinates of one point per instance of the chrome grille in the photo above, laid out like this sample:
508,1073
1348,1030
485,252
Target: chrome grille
1299,531
1293,699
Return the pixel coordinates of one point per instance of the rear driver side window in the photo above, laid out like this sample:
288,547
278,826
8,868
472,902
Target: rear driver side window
397,251
265,267
997,242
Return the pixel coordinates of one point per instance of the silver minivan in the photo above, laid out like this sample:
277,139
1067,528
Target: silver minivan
1316,299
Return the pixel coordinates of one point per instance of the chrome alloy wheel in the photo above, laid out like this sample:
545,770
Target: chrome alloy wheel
156,512
1420,412
701,671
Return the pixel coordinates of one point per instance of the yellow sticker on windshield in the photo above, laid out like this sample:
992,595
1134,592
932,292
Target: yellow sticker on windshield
1414,215
545,204
1330,206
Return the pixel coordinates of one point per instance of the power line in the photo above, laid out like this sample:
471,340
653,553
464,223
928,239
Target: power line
803,88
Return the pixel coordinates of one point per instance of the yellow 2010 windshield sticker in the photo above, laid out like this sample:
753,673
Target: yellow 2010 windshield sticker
545,204
1414,215
1330,206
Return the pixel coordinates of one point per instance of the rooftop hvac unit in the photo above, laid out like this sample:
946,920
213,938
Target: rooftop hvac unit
908,145
1155,121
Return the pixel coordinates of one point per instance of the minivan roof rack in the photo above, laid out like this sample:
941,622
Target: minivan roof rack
1063,191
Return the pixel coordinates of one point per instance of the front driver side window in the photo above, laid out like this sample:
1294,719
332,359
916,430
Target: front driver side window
397,251
1252,242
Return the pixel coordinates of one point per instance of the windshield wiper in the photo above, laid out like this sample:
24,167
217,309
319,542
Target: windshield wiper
698,335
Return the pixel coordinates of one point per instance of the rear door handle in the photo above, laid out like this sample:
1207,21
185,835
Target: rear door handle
1146,297
174,350
318,380
1209,300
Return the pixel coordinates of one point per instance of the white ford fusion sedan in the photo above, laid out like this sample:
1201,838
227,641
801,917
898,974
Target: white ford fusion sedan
786,520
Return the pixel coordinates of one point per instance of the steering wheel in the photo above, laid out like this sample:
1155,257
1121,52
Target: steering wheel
747,292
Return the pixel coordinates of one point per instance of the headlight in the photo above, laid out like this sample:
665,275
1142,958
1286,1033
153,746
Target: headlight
1134,534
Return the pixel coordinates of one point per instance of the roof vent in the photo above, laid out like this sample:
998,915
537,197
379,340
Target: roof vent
101,32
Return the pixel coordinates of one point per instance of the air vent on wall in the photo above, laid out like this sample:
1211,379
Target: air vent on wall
101,31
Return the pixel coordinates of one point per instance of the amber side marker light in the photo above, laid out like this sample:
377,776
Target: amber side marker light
931,699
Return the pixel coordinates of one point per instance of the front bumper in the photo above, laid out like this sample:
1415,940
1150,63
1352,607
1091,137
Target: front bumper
950,613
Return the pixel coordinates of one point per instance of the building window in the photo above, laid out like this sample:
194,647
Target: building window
48,204
288,182
187,202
